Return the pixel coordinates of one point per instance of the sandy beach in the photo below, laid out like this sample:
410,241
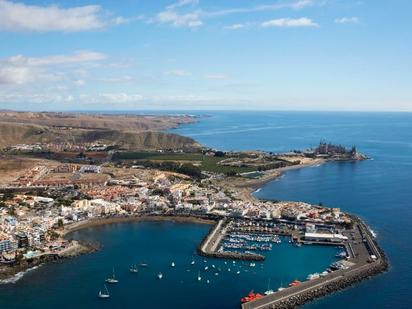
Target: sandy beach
245,187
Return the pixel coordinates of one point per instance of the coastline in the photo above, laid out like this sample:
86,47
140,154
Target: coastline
246,187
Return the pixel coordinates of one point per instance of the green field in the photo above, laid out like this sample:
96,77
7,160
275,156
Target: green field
158,156
206,163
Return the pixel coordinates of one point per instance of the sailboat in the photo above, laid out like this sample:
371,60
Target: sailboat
281,288
269,291
105,293
160,275
198,276
112,279
134,269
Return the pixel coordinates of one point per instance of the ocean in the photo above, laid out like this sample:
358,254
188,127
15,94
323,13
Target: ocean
378,190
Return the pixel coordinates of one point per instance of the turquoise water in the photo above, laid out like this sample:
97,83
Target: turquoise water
75,283
378,190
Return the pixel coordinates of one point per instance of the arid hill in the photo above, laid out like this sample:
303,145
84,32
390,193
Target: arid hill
130,132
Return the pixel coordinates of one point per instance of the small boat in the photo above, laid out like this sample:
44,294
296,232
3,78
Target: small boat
208,281
294,283
104,294
216,274
250,297
228,269
238,272
281,288
160,275
173,264
193,263
206,268
112,279
213,266
269,291
133,269
252,264
143,265
198,276
313,276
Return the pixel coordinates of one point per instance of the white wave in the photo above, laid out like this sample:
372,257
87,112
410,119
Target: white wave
17,276
258,190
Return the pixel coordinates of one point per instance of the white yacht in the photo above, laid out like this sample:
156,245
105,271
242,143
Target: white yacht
112,279
105,293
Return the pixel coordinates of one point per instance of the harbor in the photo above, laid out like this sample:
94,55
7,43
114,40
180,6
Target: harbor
364,260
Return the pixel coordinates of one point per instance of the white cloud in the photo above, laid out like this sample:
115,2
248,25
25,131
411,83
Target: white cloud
181,3
16,16
15,75
215,76
236,27
19,70
175,14
120,20
188,20
78,57
289,22
296,5
178,72
121,79
347,20
79,82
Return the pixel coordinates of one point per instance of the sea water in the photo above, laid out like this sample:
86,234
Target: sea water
379,190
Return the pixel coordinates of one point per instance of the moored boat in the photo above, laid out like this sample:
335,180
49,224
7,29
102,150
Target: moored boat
112,279
104,294
250,297
134,269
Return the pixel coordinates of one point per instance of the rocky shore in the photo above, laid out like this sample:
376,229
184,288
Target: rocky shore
76,248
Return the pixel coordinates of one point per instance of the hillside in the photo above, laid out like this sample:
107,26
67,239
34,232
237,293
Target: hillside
134,132
96,121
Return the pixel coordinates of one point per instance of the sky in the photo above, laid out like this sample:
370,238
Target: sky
345,55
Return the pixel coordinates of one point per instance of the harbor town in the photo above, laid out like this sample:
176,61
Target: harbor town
42,204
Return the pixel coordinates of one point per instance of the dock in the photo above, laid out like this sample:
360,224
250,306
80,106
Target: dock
209,246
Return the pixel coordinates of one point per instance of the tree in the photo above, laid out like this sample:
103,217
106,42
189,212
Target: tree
60,223
219,154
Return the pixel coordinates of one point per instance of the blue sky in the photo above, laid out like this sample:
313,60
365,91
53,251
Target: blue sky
206,54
